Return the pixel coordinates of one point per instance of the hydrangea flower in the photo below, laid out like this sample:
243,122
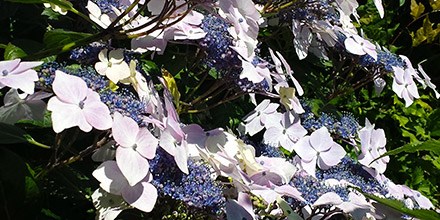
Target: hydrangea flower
136,145
142,195
357,45
404,85
318,149
22,106
112,65
76,105
18,75
373,143
256,119
285,133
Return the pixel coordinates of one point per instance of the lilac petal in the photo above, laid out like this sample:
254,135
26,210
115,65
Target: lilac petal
124,130
142,196
132,165
309,166
273,135
195,135
266,178
21,81
331,157
110,177
181,157
321,139
66,116
353,47
9,65
330,198
97,113
254,126
146,143
304,150
26,66
167,142
290,191
69,89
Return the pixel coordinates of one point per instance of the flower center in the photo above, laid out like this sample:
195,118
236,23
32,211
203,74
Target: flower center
134,147
5,72
81,103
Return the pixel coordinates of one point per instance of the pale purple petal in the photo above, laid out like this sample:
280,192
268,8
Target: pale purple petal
181,157
304,150
24,81
331,157
69,89
132,165
288,190
309,166
142,196
321,139
353,47
66,116
330,198
124,130
96,112
272,136
146,143
110,177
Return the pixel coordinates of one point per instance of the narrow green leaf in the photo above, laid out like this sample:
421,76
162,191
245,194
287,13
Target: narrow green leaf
430,145
400,207
10,134
58,37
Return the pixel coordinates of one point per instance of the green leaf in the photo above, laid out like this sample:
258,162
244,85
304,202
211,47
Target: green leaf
13,52
400,207
51,14
59,37
430,145
10,134
401,3
434,123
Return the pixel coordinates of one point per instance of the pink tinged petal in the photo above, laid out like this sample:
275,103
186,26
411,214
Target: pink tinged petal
330,198
142,196
66,116
304,150
27,66
286,142
288,190
353,47
167,142
132,165
97,114
272,136
9,65
21,81
331,157
69,89
195,135
321,139
309,166
110,177
146,143
124,130
181,157
254,126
